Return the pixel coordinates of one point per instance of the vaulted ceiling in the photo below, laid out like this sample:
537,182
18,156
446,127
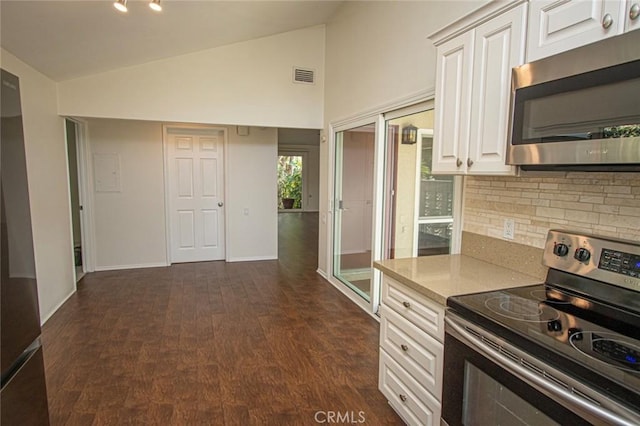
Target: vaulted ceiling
69,39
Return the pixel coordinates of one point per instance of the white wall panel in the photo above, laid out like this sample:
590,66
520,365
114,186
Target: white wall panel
48,185
252,210
130,227
247,83
130,224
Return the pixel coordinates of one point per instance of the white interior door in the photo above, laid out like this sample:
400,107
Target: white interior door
196,194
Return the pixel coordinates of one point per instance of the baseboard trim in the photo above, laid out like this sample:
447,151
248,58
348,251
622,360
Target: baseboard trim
322,273
251,259
136,266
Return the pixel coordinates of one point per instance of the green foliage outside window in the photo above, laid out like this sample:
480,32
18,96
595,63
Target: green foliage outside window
290,181
626,131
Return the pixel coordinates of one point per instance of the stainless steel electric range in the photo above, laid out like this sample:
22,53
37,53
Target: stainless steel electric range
563,352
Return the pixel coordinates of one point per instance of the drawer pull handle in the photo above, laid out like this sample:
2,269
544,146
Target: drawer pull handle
403,398
607,21
634,12
406,304
404,347
458,162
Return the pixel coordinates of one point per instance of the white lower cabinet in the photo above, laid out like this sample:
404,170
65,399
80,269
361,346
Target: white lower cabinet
411,353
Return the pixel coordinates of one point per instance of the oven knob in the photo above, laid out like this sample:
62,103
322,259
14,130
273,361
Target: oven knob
582,254
560,249
554,325
575,334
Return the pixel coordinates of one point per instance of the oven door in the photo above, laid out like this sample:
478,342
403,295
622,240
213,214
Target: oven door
488,381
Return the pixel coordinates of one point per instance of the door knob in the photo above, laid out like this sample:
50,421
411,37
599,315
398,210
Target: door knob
607,21
634,12
458,162
220,204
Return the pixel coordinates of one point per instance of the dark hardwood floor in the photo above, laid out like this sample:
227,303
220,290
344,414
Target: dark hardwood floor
215,343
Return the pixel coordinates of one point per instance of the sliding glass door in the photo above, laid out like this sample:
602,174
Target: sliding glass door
353,208
419,207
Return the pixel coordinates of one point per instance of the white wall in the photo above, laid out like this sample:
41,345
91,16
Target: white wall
48,185
248,83
377,53
130,224
252,189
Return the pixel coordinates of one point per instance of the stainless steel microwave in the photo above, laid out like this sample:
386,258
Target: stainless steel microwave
579,110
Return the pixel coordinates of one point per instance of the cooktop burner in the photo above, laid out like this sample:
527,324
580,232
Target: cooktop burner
547,295
521,309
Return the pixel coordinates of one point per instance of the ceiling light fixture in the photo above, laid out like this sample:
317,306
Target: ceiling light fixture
121,5
155,5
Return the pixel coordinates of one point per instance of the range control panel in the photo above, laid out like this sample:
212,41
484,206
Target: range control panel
620,263
605,259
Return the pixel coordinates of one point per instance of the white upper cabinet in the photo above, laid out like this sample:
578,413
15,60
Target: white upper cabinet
559,25
452,104
473,82
632,15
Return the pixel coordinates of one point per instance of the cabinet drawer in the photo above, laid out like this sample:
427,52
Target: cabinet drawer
417,352
415,405
425,314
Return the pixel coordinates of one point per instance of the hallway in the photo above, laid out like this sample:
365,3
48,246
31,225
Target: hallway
255,343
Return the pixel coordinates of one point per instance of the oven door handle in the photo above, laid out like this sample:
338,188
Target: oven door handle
532,378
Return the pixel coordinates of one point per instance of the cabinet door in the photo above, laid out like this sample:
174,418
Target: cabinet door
498,47
559,25
632,15
452,104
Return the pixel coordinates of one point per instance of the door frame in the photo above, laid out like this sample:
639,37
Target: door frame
85,183
370,307
186,128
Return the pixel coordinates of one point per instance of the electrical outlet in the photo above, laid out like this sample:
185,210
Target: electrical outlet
509,229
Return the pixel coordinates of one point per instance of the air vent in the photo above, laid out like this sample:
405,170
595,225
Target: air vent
303,75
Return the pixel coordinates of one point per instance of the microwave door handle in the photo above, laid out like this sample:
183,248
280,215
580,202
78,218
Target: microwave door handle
533,378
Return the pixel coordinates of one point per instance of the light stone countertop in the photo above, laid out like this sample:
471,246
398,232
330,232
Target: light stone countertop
438,277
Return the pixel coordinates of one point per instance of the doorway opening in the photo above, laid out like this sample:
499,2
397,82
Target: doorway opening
72,135
291,181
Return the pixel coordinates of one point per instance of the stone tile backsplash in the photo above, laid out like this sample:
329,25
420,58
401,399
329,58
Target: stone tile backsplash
596,203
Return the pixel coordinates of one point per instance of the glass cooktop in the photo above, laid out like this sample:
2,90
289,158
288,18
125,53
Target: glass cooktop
564,330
